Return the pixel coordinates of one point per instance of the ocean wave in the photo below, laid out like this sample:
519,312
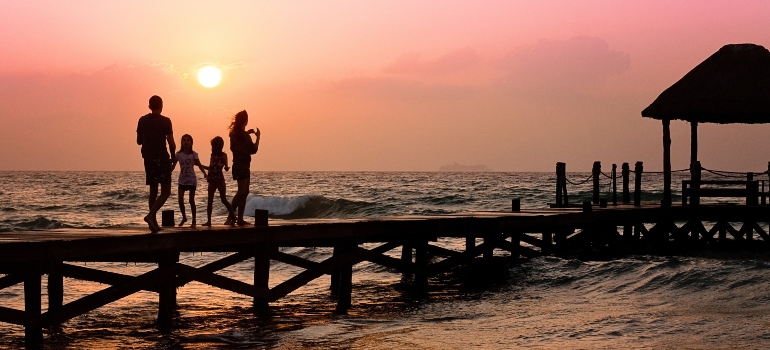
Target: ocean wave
309,206
122,194
41,223
9,209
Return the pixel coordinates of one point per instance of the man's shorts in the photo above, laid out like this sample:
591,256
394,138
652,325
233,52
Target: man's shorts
241,171
157,171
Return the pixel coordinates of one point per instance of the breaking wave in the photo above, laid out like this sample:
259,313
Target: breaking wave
311,206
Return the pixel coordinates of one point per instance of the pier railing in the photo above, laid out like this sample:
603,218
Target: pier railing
737,185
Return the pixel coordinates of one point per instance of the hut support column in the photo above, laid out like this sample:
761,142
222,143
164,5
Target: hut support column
693,142
666,163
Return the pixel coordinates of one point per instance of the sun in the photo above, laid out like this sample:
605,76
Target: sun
209,76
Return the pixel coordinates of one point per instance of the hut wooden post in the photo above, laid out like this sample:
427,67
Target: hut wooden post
695,176
614,184
666,163
33,332
638,169
596,171
693,142
626,194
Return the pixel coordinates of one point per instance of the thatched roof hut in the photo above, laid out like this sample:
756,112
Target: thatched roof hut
731,86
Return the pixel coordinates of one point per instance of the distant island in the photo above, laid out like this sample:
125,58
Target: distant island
461,167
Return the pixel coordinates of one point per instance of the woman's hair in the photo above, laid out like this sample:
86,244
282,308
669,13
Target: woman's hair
238,122
181,147
217,144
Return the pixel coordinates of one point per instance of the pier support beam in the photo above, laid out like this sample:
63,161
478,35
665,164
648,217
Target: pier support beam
33,333
262,275
167,290
55,286
421,260
406,256
345,290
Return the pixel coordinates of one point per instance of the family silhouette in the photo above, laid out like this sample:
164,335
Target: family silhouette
154,132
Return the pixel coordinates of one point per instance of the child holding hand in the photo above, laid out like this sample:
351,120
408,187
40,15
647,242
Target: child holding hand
216,178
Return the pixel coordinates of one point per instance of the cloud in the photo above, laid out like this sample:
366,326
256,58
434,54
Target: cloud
576,62
453,62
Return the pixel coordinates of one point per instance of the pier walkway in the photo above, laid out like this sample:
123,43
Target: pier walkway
404,243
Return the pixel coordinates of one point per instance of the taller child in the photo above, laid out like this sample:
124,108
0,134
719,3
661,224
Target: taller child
242,148
152,133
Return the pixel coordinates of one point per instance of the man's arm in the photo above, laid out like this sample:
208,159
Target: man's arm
171,146
138,139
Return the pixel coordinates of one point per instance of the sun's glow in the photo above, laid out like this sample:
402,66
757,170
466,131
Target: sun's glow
209,76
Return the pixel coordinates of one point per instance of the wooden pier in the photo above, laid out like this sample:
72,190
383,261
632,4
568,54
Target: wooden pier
588,232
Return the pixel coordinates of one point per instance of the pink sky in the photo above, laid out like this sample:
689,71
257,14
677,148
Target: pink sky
360,85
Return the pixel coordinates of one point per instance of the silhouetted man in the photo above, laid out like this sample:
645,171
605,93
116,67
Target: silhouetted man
152,133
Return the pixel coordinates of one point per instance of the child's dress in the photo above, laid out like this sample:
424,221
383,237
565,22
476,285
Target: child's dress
216,178
187,178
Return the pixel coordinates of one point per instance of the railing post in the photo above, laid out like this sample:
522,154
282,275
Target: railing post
597,170
626,194
346,281
638,169
614,184
558,184
752,190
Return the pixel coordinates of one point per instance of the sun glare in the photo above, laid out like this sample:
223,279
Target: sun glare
209,76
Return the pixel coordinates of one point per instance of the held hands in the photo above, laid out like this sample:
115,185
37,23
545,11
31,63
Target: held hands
252,131
227,168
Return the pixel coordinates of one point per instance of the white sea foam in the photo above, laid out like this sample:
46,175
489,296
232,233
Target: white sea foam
276,205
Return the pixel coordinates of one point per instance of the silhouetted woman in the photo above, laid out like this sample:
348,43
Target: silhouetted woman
242,148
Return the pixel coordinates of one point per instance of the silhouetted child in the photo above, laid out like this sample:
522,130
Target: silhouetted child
187,158
216,178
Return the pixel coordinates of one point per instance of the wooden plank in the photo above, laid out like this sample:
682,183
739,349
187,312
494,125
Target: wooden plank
529,239
10,280
436,250
293,260
219,264
352,256
221,282
102,297
14,316
99,276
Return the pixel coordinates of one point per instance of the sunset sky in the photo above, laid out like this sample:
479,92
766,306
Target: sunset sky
368,85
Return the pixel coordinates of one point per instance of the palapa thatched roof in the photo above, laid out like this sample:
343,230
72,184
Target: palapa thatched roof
731,86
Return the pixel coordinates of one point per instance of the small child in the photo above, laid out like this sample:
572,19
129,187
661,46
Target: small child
216,179
186,158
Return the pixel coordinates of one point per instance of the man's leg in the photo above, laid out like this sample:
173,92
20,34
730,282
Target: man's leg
153,194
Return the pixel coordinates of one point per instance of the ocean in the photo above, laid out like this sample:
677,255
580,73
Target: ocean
705,301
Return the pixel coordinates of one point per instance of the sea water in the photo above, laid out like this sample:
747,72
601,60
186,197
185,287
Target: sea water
639,302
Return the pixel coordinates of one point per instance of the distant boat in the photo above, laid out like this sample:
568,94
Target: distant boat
460,167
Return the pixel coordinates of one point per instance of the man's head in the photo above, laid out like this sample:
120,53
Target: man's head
156,104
